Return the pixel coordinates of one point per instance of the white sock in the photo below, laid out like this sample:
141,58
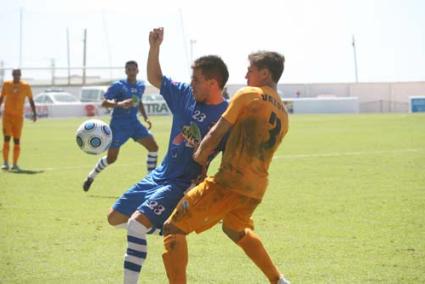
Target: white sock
136,251
152,160
100,166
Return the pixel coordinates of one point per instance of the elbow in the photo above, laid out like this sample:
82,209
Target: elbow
155,80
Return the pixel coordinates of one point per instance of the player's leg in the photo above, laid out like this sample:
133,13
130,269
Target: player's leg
137,228
6,143
16,153
150,215
7,132
120,135
238,226
103,162
190,215
145,138
17,125
150,144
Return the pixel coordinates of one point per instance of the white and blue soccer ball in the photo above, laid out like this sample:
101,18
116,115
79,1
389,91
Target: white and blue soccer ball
94,136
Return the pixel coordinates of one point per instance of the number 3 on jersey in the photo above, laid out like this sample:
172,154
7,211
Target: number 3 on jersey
274,132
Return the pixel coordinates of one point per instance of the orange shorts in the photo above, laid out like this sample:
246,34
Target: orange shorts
12,125
208,203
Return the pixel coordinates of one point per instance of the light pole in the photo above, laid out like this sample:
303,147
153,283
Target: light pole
355,59
192,43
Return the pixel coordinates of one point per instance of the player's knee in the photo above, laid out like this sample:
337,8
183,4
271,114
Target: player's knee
169,228
16,141
115,219
235,236
111,159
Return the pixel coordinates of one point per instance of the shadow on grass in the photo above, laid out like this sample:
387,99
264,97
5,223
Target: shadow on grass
27,172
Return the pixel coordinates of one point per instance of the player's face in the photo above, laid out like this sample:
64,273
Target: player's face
131,70
254,76
16,74
200,86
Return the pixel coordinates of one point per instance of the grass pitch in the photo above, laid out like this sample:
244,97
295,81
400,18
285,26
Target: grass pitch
345,204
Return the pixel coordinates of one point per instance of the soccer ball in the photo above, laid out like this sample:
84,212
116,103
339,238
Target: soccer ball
94,136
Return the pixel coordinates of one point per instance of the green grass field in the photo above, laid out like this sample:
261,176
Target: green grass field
345,204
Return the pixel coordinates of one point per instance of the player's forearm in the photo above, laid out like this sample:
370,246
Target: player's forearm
143,112
154,72
32,104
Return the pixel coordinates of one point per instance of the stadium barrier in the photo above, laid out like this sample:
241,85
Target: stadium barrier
293,105
322,105
87,109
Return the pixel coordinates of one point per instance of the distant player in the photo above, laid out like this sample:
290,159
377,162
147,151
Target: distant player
125,97
257,121
14,94
195,108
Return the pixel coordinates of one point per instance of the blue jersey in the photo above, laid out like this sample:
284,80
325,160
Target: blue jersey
122,90
191,121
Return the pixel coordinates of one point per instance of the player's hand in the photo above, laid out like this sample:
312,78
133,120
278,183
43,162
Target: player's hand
156,36
128,103
149,123
34,117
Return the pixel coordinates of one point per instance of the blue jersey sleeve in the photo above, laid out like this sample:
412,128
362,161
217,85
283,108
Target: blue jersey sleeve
176,94
113,90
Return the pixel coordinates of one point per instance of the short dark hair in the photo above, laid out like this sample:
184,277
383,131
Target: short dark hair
212,67
131,62
17,70
273,61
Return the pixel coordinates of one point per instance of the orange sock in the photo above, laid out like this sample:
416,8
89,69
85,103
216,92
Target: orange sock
6,152
175,258
16,152
254,248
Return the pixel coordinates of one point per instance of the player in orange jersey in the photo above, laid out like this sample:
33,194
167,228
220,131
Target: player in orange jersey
13,94
256,122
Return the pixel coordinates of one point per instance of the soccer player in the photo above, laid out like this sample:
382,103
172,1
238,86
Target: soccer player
195,108
125,97
257,121
14,94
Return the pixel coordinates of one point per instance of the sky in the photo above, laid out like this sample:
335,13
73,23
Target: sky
315,36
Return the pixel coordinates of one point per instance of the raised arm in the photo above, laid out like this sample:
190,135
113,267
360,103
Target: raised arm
154,71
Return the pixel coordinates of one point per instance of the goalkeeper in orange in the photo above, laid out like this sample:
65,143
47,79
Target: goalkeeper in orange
256,122
13,94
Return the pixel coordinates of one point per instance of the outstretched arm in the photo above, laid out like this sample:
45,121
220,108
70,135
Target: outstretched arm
211,141
154,71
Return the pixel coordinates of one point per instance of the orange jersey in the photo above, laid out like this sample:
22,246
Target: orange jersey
14,97
260,122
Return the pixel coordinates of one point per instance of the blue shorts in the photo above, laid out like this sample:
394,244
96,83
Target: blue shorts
155,200
123,130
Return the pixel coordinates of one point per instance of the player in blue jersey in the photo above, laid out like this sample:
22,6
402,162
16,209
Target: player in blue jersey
195,109
125,97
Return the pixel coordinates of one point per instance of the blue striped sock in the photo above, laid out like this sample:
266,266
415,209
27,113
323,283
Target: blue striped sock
100,166
136,251
152,160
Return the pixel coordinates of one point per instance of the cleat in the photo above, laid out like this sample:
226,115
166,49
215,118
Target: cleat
283,280
15,168
87,183
5,166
